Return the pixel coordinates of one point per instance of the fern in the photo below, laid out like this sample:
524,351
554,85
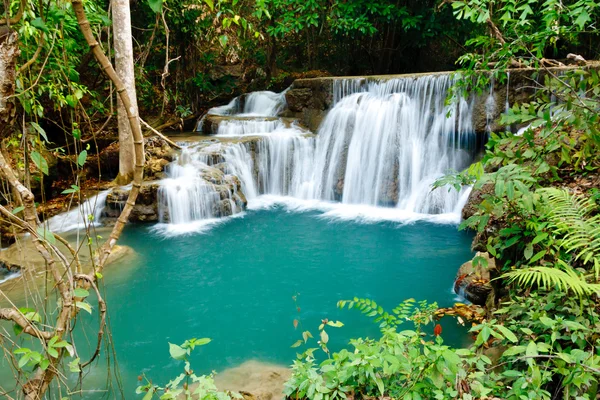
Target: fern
545,277
575,218
371,309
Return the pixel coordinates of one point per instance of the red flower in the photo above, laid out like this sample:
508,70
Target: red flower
437,331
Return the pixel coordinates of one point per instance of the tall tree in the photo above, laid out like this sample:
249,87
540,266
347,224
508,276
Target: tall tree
124,67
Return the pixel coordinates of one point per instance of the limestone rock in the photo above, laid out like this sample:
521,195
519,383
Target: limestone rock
263,381
475,198
146,205
473,281
298,99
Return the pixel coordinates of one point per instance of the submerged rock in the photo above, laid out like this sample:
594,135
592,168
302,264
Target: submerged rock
263,381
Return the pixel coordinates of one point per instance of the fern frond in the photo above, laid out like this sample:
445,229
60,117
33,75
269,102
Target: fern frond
572,217
544,277
370,309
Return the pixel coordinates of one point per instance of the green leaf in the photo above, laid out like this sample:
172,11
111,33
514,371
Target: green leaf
84,306
582,19
80,292
73,189
324,337
452,360
538,256
17,210
514,350
528,251
39,162
39,24
297,344
81,158
149,394
46,235
223,39
52,352
202,341
74,365
507,333
210,4
177,352
24,360
44,364
531,349
40,130
156,5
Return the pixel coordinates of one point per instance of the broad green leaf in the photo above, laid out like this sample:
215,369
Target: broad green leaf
582,18
38,23
84,306
80,292
177,352
531,349
17,210
202,341
507,333
156,5
81,158
40,130
39,162
324,337
46,235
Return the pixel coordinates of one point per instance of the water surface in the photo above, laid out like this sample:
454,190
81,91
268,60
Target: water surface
236,282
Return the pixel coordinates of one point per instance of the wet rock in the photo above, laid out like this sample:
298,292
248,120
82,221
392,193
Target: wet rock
299,99
8,232
473,279
146,207
475,198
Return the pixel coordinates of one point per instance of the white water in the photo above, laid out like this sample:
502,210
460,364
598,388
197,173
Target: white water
9,276
375,156
235,128
193,195
78,217
255,104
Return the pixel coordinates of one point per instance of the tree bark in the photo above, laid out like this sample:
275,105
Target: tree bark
9,51
124,66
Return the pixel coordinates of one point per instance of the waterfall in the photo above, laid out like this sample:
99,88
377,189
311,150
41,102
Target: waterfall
382,145
244,127
264,104
79,216
388,144
196,189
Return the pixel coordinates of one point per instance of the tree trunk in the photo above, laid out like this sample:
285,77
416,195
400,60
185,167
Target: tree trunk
9,51
124,67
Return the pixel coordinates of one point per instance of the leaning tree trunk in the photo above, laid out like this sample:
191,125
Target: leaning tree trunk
124,67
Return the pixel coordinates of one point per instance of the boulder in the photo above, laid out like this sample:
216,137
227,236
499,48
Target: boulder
475,198
263,381
473,281
146,207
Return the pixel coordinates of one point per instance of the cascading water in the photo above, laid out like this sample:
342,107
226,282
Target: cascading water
243,127
77,217
382,145
196,191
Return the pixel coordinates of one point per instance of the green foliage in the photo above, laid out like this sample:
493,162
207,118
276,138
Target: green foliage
188,384
409,364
